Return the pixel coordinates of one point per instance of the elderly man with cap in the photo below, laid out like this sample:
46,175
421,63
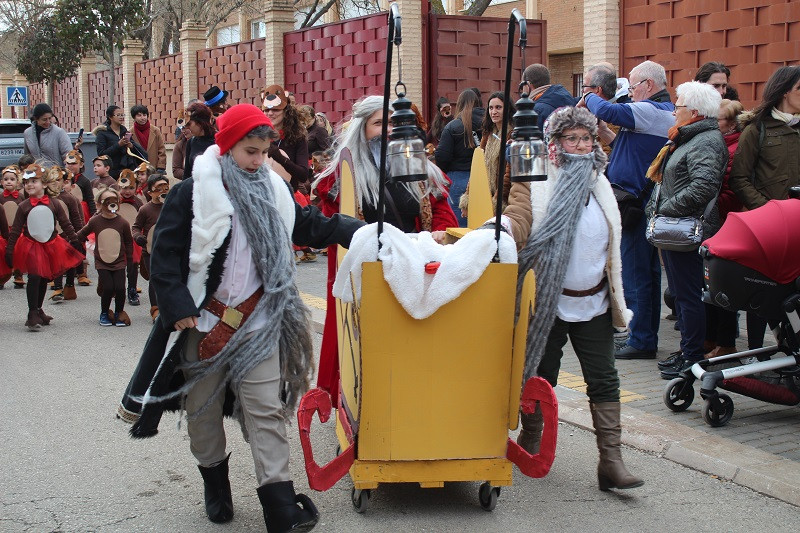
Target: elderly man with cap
44,140
217,100
234,319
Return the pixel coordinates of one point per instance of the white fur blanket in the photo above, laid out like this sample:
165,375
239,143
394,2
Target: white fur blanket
404,257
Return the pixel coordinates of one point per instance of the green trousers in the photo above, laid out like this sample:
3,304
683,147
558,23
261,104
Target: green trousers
593,342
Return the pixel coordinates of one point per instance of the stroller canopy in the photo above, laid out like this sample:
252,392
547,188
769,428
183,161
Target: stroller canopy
766,239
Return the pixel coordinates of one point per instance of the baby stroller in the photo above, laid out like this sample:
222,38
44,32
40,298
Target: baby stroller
752,264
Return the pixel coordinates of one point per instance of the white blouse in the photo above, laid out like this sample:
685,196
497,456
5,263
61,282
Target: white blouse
587,266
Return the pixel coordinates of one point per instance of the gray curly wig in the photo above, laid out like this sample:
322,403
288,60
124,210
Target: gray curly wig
568,118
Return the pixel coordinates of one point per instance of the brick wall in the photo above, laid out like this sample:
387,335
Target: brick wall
66,101
159,86
333,65
471,52
98,95
36,93
752,37
237,68
565,24
563,66
504,10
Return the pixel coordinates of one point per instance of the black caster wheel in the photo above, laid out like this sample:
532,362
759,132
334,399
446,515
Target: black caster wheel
488,495
678,395
718,411
360,499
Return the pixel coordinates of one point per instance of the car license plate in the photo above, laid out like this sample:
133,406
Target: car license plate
12,152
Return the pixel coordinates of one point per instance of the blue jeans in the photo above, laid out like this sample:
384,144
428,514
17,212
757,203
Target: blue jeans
460,179
641,281
685,275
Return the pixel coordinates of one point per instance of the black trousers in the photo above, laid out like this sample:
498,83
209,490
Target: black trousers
113,283
35,291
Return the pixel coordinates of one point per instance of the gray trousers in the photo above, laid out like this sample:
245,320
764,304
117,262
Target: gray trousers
261,406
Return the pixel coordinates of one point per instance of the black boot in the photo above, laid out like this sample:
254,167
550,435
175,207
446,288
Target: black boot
286,511
219,502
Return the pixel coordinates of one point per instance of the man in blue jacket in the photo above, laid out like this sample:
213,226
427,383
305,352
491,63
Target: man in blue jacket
644,125
548,97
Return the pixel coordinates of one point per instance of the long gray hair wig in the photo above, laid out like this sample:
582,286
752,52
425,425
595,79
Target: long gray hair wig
366,173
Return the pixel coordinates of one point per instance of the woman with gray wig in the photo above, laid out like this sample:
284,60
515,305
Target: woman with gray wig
572,237
411,207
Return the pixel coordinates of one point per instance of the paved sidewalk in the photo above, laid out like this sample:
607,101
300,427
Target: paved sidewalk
759,448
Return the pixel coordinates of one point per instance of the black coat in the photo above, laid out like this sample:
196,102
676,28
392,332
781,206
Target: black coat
453,151
157,371
108,144
194,147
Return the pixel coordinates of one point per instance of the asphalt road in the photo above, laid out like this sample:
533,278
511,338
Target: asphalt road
66,463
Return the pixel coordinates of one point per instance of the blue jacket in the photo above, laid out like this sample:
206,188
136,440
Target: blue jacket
644,130
554,97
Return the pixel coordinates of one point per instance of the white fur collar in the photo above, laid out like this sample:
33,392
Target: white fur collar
212,216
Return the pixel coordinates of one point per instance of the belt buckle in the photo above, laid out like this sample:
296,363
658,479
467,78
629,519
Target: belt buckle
232,317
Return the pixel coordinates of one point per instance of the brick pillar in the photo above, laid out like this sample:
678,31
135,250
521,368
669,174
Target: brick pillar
531,9
88,66
278,19
411,51
6,80
244,26
601,32
132,53
193,38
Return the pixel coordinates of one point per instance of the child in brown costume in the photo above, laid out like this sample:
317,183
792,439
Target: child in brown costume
144,226
58,176
129,208
112,253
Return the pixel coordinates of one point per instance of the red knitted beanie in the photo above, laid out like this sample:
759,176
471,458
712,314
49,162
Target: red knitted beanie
237,122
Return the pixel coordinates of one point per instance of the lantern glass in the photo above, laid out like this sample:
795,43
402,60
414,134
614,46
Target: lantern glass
528,160
407,160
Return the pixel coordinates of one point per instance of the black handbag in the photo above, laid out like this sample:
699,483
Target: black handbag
630,206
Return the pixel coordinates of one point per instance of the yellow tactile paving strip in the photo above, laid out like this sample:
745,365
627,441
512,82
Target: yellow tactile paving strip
575,382
565,379
314,301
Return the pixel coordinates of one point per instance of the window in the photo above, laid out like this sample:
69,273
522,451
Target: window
258,29
577,84
228,35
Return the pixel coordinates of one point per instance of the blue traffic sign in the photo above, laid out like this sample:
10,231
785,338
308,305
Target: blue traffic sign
17,96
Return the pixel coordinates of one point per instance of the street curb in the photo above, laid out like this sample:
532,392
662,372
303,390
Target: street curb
744,465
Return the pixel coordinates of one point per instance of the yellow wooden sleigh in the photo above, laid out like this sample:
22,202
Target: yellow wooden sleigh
423,401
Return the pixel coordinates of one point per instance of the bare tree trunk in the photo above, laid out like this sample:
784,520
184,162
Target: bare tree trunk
477,8
49,93
166,39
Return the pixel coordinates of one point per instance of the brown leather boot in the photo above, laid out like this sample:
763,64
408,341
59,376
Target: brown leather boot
45,318
611,471
69,292
531,435
34,322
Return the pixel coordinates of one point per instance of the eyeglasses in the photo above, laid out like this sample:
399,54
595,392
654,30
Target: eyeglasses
677,106
589,86
635,85
574,140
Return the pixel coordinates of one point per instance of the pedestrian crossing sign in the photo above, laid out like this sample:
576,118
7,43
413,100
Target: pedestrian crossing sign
17,96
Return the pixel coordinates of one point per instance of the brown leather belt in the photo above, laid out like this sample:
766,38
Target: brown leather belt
588,292
230,320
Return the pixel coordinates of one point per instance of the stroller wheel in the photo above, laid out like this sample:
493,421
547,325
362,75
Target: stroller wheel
718,411
360,499
678,395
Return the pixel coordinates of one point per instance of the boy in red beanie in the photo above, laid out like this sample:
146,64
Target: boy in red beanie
231,317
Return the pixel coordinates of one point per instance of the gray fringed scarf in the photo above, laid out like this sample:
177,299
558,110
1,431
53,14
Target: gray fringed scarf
287,330
548,251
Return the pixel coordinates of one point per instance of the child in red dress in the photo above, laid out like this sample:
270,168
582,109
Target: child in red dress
56,186
34,247
74,163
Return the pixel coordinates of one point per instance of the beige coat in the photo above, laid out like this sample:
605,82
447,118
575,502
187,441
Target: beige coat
156,150
527,206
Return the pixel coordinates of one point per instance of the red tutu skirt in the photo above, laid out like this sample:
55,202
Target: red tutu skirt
85,209
5,271
46,259
301,199
137,253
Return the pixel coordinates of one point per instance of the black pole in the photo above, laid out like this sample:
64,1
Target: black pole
515,17
394,37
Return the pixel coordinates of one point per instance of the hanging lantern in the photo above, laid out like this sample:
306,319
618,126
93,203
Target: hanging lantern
405,155
528,152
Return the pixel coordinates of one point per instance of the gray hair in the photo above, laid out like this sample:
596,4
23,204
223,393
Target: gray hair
568,118
701,97
365,172
650,70
604,78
